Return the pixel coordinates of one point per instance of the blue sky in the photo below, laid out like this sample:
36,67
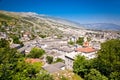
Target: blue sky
82,11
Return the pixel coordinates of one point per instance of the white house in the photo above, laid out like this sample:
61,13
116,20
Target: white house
88,52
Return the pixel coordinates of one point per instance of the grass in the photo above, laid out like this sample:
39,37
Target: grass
3,16
66,75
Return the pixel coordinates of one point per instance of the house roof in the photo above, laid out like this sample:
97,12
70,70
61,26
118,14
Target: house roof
54,67
86,49
26,33
31,60
15,45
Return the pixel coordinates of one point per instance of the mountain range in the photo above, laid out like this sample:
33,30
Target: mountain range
43,22
102,26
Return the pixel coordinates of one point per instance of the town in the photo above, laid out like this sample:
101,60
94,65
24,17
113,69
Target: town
34,47
65,48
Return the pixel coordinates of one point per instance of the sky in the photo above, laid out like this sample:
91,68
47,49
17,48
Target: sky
82,11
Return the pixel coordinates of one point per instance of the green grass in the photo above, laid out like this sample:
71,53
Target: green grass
76,77
66,75
3,16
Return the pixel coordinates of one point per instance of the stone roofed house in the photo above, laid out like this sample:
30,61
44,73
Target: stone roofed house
29,48
95,44
17,46
3,35
54,54
26,36
86,51
52,68
69,59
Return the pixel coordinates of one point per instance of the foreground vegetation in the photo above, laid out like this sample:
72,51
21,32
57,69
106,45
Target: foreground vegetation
14,67
105,67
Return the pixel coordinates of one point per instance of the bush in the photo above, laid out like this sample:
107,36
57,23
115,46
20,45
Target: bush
49,59
36,53
108,59
80,41
95,75
71,42
59,60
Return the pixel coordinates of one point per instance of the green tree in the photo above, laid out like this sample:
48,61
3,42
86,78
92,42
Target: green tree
108,59
80,41
15,39
95,75
49,59
59,60
42,36
4,43
115,76
14,67
81,66
88,39
71,42
36,53
8,61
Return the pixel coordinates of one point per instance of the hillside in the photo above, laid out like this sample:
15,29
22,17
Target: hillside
35,23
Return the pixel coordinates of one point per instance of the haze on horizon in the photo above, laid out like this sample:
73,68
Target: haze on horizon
82,11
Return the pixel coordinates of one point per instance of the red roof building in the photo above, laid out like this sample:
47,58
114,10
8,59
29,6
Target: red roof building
86,49
31,60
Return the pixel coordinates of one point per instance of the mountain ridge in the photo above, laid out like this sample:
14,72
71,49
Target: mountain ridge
37,18
102,26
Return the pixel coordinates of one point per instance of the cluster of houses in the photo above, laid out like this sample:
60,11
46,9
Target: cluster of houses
59,48
85,50
103,35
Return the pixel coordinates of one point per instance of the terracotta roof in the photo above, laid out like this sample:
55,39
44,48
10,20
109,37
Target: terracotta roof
31,60
86,49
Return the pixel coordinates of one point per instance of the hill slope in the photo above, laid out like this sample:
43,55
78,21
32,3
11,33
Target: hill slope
35,23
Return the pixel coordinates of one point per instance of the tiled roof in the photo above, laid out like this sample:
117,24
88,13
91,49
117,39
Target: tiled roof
86,49
54,67
31,60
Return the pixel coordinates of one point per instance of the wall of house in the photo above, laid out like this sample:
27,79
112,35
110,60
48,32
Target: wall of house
68,63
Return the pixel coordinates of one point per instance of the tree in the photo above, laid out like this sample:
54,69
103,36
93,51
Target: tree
95,75
9,59
4,43
42,36
108,59
80,41
14,67
15,39
49,59
71,42
59,60
36,53
88,39
81,66
115,76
